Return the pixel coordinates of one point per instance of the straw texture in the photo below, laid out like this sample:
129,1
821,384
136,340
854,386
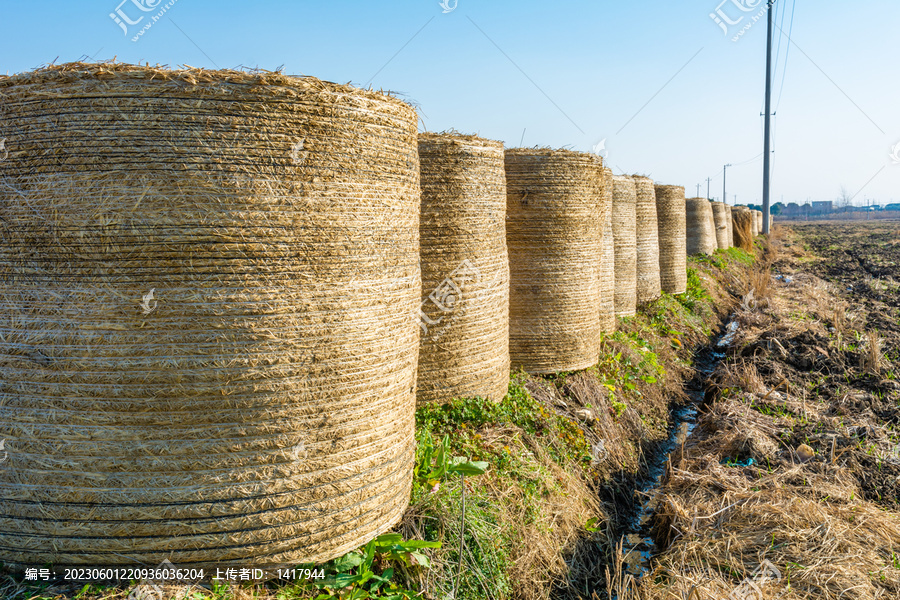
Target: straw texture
208,281
754,223
759,222
553,234
729,222
720,221
624,216
701,237
607,258
671,217
743,228
647,234
464,350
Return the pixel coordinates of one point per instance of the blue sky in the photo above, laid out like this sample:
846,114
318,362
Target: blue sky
673,96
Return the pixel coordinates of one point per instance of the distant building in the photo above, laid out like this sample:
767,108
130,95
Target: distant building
792,209
892,207
823,207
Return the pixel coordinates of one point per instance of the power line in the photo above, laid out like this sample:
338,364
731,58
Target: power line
778,48
787,53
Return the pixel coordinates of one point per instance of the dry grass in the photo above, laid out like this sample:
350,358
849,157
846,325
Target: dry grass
871,358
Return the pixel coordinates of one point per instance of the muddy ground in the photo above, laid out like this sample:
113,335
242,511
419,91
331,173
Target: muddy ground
789,484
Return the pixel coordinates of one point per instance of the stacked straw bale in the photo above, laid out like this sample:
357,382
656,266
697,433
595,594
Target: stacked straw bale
553,234
607,258
647,233
671,217
754,222
464,350
624,216
742,220
729,222
208,346
701,236
759,222
720,221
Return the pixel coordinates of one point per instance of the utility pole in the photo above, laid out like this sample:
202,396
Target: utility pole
698,190
724,171
768,128
707,188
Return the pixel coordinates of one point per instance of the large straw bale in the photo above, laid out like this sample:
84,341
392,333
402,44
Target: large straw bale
464,350
208,347
742,219
729,222
754,222
670,214
607,258
759,222
701,237
647,234
720,220
624,216
553,234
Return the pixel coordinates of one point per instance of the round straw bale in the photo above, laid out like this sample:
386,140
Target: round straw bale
208,342
701,237
729,222
553,235
671,217
607,271
464,350
720,220
624,216
754,223
743,229
647,234
759,222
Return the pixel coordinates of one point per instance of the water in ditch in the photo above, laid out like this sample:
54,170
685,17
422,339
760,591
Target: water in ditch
638,546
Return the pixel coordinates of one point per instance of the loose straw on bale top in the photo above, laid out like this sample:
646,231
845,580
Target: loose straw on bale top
720,216
701,237
464,323
670,214
607,258
647,234
208,346
553,233
624,235
742,220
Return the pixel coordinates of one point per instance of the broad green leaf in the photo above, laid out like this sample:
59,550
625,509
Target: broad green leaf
470,468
